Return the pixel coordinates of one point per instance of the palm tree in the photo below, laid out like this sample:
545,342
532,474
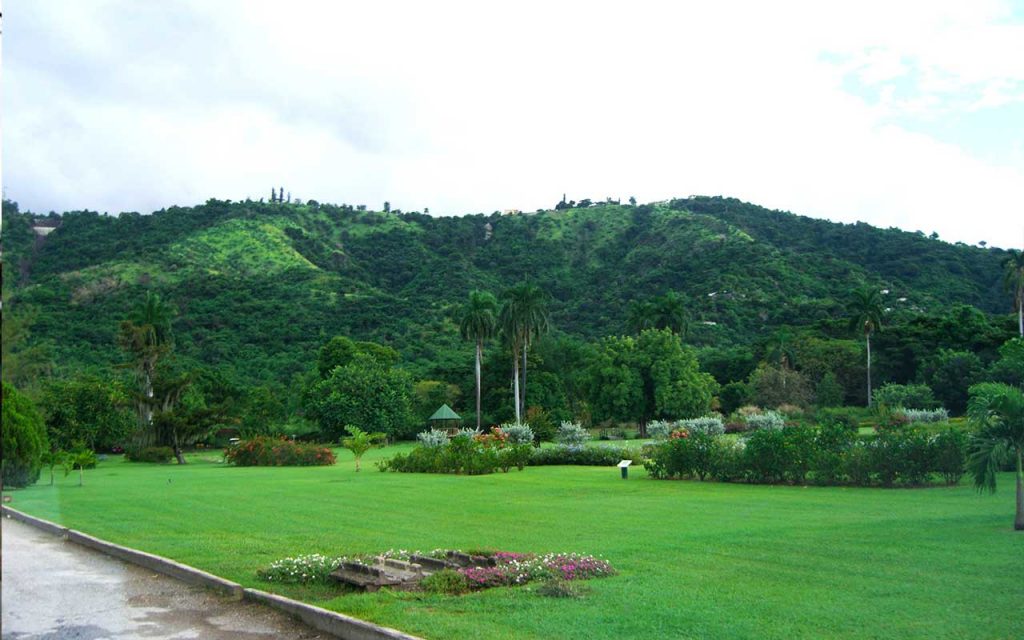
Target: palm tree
641,316
146,336
1013,279
865,307
670,313
479,323
998,410
523,317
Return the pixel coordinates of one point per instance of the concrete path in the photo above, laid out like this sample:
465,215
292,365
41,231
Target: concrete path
55,589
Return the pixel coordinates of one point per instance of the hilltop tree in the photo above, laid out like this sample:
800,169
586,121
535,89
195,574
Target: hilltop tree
865,308
998,409
1013,279
479,323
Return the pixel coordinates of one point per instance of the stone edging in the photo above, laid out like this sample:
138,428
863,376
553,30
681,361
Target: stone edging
342,626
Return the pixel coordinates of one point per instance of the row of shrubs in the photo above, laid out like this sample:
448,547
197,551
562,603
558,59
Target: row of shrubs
468,452
830,454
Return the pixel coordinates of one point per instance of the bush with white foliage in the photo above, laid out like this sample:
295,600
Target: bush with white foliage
924,415
467,433
432,438
711,425
572,433
518,433
766,420
660,429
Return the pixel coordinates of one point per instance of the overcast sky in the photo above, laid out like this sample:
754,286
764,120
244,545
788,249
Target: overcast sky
906,114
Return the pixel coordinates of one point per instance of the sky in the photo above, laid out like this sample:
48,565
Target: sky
904,114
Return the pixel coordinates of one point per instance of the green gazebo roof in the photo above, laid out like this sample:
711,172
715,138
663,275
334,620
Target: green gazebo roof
444,413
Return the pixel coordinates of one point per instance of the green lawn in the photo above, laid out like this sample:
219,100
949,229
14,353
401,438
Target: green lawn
696,560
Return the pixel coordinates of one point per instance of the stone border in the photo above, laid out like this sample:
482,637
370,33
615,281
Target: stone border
337,624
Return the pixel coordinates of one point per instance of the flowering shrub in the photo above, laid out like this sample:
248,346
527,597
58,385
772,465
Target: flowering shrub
496,439
518,433
514,569
571,433
300,569
264,451
476,455
766,420
924,415
708,424
432,438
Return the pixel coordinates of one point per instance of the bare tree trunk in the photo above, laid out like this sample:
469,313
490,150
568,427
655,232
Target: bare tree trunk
1020,316
522,408
479,355
177,448
867,337
515,384
1018,521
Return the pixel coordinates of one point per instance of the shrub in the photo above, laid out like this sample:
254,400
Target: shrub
708,424
766,420
432,438
832,442
838,416
571,433
518,433
264,451
562,589
924,415
447,582
541,422
900,455
23,440
659,429
689,455
733,396
467,432
149,454
910,396
597,456
948,452
300,569
477,455
765,456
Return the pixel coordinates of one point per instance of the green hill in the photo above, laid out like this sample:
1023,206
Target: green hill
260,287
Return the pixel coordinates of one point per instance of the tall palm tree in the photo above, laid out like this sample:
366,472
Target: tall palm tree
998,409
524,318
670,313
146,336
1013,279
479,323
865,308
641,315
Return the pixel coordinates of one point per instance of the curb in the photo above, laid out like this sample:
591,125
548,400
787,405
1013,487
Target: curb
337,624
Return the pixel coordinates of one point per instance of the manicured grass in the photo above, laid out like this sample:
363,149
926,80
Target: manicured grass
696,560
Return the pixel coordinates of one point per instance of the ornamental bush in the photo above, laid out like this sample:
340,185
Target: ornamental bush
306,569
477,455
924,415
571,433
264,451
766,420
432,438
948,452
518,433
708,424
149,454
659,429
910,396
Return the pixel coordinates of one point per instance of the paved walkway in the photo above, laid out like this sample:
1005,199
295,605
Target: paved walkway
55,589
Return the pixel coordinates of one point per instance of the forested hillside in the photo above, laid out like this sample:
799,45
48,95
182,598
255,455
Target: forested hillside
259,287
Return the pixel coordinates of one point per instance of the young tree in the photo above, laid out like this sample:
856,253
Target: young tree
23,441
363,391
865,308
1013,279
359,442
479,323
998,410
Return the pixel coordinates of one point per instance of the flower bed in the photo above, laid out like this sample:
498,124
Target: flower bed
264,451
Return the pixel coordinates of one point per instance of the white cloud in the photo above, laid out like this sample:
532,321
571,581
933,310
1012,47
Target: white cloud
459,108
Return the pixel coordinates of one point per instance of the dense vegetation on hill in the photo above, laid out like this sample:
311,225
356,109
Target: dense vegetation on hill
259,288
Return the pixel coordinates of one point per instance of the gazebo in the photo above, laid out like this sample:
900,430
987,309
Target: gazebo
446,419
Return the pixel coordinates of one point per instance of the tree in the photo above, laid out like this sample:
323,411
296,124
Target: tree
523,318
89,411
365,392
1013,279
667,311
22,363
778,385
950,374
865,308
146,337
479,323
998,410
23,440
359,442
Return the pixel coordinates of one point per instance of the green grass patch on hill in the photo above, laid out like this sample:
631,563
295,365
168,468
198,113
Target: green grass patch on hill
696,560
